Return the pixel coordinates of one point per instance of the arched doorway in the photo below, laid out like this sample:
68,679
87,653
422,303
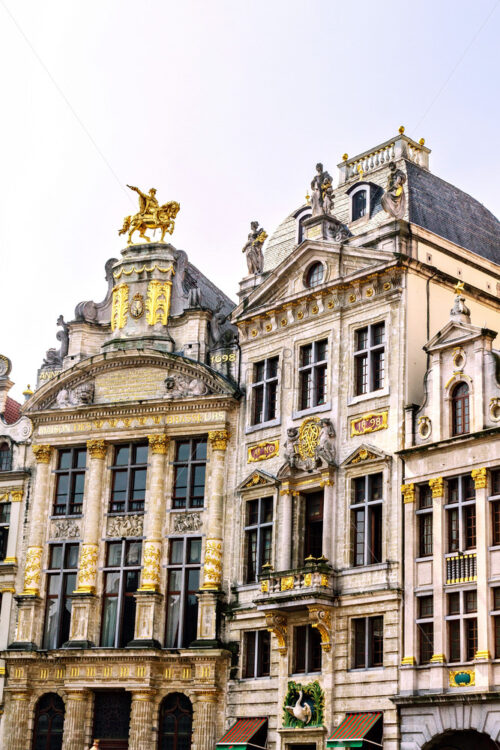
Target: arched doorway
176,723
464,740
49,723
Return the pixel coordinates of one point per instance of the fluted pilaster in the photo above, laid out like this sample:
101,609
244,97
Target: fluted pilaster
205,721
33,567
75,719
17,710
141,721
87,568
212,568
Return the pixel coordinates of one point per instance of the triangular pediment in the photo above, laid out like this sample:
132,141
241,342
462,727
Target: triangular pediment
257,478
456,333
145,375
365,454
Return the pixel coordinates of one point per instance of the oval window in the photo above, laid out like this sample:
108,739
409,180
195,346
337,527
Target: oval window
314,275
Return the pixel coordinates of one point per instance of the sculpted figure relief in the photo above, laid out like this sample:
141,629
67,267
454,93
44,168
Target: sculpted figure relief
394,198
320,184
253,248
325,450
151,215
54,357
79,396
182,386
291,454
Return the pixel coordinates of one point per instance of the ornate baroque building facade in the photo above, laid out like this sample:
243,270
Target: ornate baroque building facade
267,525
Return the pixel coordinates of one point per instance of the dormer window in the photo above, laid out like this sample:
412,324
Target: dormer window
359,203
314,275
460,423
300,216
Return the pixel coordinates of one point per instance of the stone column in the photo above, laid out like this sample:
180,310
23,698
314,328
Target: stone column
328,517
17,709
212,566
483,655
438,677
409,645
205,721
16,497
142,717
284,541
148,600
84,598
33,567
75,719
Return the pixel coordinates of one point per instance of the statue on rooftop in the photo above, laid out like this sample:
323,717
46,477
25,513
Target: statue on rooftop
253,248
151,215
394,198
320,183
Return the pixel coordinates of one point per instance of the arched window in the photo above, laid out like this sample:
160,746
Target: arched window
49,722
5,457
359,204
176,723
314,275
460,409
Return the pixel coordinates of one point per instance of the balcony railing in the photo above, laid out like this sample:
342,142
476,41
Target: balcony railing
316,579
461,568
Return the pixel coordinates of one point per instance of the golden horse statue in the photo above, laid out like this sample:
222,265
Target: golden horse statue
151,216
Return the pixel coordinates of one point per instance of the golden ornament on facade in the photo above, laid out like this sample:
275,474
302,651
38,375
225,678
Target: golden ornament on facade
97,448
408,491
322,621
277,624
212,567
33,571
119,308
287,583
42,453
158,444
87,572
437,486
158,302
408,661
151,566
480,478
218,439
151,215
137,306
309,432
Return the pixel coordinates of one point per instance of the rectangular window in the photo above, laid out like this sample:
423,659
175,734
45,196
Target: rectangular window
425,628
495,507
70,481
189,473
4,528
312,374
461,513
366,519
424,520
369,358
462,625
121,581
307,650
183,584
257,653
129,478
5,457
258,536
61,583
264,390
313,543
495,482
368,642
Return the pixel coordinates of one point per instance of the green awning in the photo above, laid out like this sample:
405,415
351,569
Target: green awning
352,731
240,734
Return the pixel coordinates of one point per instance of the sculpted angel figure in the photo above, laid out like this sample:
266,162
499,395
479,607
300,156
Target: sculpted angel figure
253,248
319,185
394,198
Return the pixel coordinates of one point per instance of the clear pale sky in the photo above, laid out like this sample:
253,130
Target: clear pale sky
225,106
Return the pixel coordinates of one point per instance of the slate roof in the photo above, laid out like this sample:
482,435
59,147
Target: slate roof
447,211
12,411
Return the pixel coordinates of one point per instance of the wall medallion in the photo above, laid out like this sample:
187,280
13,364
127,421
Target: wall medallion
304,705
137,306
263,451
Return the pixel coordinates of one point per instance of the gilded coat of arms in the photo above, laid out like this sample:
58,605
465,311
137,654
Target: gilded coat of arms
137,306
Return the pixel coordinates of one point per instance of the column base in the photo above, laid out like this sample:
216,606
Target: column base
209,643
78,644
144,643
22,646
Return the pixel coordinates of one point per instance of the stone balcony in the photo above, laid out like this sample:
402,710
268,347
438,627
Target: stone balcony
314,583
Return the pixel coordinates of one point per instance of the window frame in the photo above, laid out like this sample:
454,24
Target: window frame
317,368
424,515
366,506
368,642
268,385
63,572
260,529
494,500
122,569
463,618
131,467
461,508
422,621
458,429
5,508
495,613
5,456
188,503
310,270
307,646
368,354
73,471
261,654
310,523
185,567
359,188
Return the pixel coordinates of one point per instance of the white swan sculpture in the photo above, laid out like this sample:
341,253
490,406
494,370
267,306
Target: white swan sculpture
301,712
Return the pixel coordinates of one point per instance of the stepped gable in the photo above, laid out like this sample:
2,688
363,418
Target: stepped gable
442,208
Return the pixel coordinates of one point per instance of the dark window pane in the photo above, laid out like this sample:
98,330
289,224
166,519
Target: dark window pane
114,554
470,598
56,553
377,641
72,555
454,604
64,459
426,606
140,454
359,205
138,484
306,355
424,496
300,649
128,623
496,598
470,638
361,339
183,450
121,455
176,551
426,641
200,450
194,550
110,607
359,627
81,458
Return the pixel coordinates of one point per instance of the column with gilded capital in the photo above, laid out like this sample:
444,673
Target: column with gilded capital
83,600
408,652
328,516
29,601
205,721
17,711
483,655
142,719
147,596
76,719
284,545
212,566
438,676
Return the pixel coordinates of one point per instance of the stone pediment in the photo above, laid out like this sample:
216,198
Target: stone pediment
257,478
364,455
455,333
126,377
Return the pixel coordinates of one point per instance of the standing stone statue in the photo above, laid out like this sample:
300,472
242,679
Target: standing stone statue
253,248
394,198
319,186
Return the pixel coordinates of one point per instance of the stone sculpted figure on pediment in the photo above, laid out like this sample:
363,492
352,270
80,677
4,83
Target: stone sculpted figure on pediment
253,248
321,192
81,395
394,198
183,386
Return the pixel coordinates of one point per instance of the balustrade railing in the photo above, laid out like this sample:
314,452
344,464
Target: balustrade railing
461,568
312,576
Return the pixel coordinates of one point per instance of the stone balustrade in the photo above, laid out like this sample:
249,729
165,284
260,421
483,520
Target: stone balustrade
313,579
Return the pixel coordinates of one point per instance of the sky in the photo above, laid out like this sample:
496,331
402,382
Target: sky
224,106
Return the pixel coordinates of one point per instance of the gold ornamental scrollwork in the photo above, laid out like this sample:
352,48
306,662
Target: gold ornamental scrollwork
158,444
321,619
42,453
277,624
151,566
97,448
308,438
218,439
33,571
120,307
480,478
87,572
158,302
212,567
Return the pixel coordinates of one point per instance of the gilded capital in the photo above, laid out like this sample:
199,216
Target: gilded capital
219,439
408,661
97,448
16,496
408,491
87,573
33,571
42,453
437,486
158,444
480,478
